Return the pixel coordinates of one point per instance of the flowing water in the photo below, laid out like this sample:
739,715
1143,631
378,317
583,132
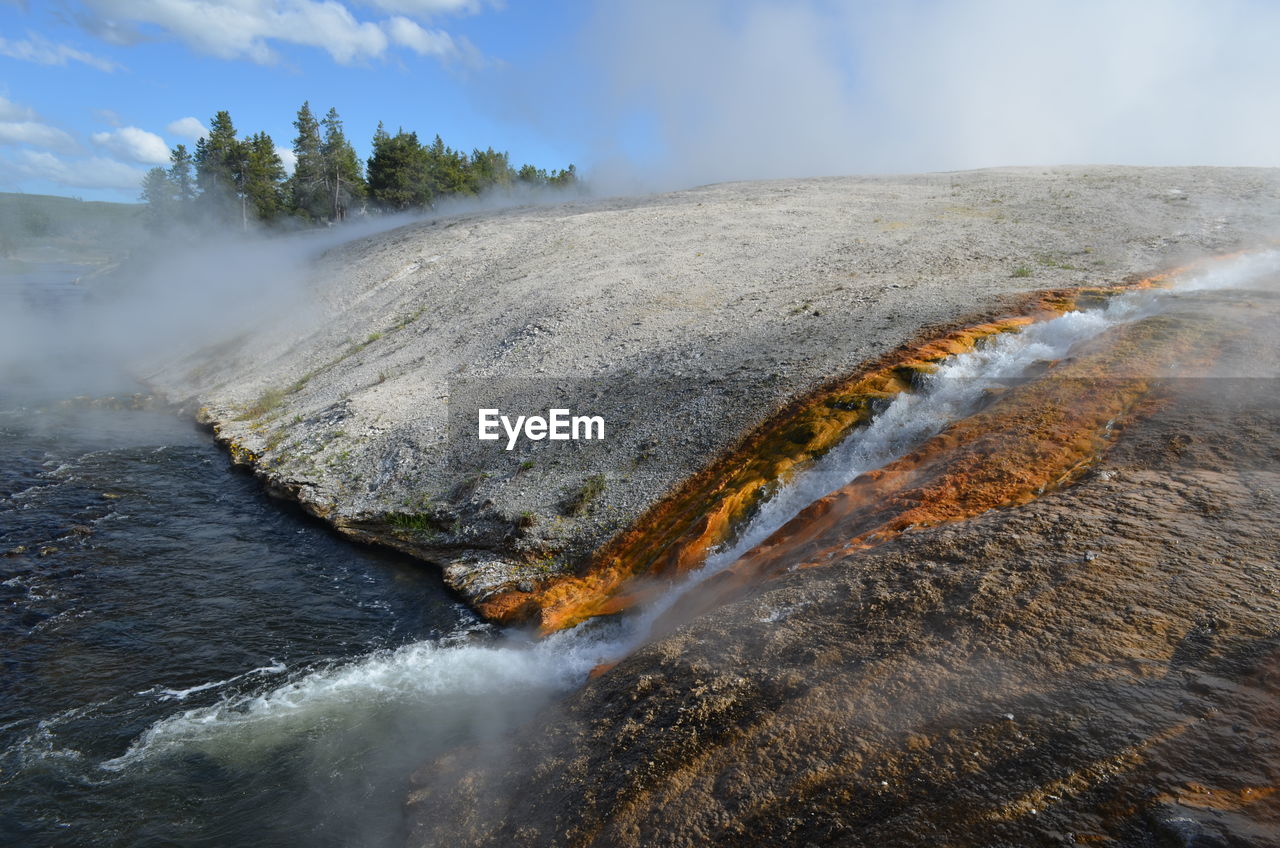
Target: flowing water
149,578
188,662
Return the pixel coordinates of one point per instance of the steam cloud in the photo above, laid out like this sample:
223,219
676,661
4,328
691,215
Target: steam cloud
771,89
176,295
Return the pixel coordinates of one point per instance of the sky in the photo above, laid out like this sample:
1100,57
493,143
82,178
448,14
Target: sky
646,94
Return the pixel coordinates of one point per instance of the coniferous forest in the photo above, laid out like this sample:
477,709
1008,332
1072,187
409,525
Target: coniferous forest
242,181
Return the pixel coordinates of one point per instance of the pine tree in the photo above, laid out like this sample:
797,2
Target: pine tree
161,196
182,173
447,170
397,172
342,179
488,169
262,177
529,175
565,178
307,185
219,162
238,180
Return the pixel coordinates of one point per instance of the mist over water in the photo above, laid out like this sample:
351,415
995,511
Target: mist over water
68,330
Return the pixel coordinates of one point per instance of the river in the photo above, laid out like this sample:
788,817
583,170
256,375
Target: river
143,577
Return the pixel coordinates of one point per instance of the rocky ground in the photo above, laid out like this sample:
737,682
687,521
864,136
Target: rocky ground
1098,666
684,319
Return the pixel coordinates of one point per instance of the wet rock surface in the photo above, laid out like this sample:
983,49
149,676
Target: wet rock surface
1100,665
684,319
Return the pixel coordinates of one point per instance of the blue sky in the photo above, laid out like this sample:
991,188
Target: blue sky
88,87
647,94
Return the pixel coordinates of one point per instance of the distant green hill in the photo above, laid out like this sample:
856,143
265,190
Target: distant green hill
41,227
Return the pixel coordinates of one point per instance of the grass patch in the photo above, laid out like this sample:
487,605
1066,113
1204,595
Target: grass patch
1021,271
591,489
416,522
1054,262
466,487
409,318
275,439
356,347
267,402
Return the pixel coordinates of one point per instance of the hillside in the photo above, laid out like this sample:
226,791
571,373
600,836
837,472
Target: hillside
46,228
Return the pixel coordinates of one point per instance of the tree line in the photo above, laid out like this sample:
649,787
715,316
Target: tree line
242,180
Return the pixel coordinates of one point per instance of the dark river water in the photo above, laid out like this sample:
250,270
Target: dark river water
146,578
189,662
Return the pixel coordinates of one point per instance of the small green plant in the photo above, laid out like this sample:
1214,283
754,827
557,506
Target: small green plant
527,465
416,522
526,520
356,347
468,485
268,401
1021,271
545,564
591,489
409,318
1054,262
275,439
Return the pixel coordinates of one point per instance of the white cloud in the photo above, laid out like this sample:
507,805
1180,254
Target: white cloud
35,134
189,128
246,29
135,144
95,172
36,48
10,111
424,42
289,158
427,8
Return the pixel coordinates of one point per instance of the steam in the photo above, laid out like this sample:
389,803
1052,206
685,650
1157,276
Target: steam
93,331
705,92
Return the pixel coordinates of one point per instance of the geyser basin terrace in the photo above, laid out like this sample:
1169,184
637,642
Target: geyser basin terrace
690,318
734,337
